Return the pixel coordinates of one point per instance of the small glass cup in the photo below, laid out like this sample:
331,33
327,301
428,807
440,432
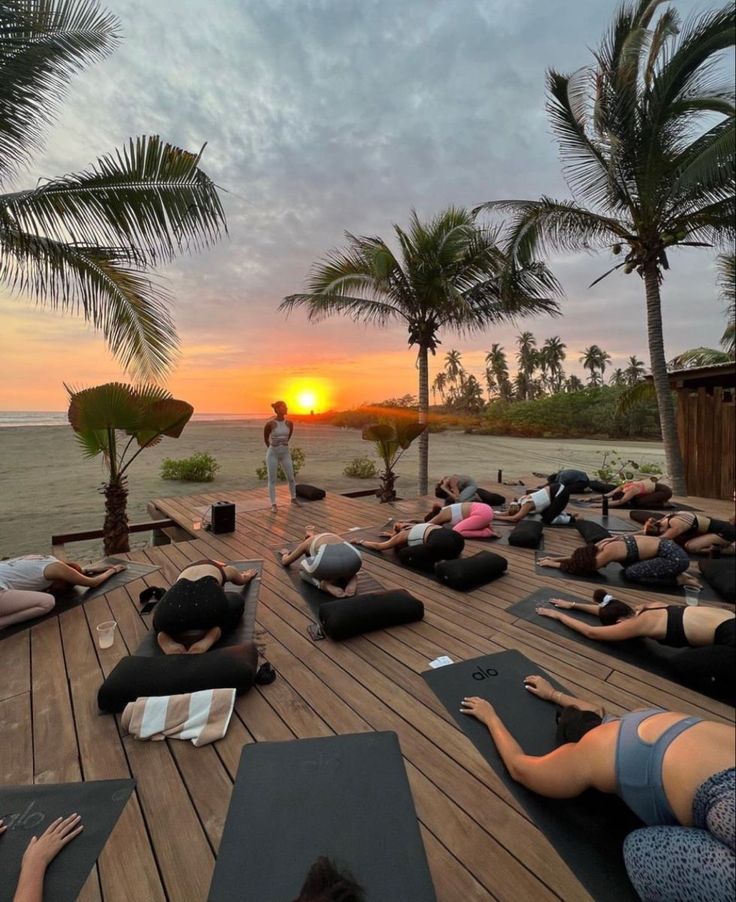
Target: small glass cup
106,633
692,594
197,524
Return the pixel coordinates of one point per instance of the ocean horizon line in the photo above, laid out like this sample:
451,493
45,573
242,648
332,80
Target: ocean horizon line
18,418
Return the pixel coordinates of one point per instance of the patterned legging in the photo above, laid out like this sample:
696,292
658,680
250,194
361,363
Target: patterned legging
671,560
689,864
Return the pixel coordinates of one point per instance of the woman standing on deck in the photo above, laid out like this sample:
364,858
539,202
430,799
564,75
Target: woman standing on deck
277,434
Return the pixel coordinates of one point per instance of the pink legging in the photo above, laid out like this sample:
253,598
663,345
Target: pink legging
17,605
477,525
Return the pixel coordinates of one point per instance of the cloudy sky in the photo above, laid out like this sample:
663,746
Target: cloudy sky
322,116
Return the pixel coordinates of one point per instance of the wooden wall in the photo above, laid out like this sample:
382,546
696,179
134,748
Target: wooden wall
706,423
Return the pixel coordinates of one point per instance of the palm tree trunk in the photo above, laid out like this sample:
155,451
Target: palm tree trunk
423,364
668,424
116,516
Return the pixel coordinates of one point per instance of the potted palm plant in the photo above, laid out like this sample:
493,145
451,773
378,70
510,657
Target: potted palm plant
391,438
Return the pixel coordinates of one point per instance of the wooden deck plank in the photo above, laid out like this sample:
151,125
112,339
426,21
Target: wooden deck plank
16,658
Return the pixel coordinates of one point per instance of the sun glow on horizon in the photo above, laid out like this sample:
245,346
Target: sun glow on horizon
308,395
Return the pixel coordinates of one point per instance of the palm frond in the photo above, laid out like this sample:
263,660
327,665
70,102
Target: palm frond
698,357
634,395
150,197
43,44
102,284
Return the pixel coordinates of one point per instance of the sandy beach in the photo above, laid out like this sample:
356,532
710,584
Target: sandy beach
48,487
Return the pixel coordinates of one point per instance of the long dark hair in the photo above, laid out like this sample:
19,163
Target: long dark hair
581,562
614,611
325,882
573,723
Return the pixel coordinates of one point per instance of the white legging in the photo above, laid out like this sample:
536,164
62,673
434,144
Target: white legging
275,455
17,605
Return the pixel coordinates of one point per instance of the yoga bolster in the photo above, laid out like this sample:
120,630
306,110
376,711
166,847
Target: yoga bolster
309,492
134,677
468,573
720,574
591,532
492,498
417,557
346,617
527,534
639,516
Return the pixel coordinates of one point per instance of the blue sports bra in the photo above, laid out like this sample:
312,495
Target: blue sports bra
639,767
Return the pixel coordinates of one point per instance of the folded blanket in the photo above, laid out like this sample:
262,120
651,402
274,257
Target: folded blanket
201,716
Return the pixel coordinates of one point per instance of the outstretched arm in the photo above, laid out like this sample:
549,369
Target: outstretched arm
59,572
288,557
543,689
617,632
562,774
401,538
40,853
519,515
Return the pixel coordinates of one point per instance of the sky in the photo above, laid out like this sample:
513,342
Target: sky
320,117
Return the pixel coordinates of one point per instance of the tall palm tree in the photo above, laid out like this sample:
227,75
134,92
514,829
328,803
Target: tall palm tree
527,360
86,242
595,359
445,276
617,378
727,282
498,368
647,139
635,371
553,355
573,384
454,369
440,384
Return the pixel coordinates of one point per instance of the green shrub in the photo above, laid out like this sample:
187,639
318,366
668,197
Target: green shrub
200,467
361,468
297,458
614,468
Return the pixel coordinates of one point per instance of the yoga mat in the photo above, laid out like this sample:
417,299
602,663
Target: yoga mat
670,506
612,575
647,654
315,597
75,596
245,629
587,831
346,797
611,523
28,811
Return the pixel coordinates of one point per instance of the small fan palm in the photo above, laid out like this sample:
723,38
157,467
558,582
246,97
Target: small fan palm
86,242
647,141
117,422
449,274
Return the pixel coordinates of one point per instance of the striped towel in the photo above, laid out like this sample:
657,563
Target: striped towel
201,716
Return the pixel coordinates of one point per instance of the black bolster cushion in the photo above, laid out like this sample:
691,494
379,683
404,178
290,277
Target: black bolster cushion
492,498
417,557
346,617
720,574
135,677
527,534
639,516
468,573
591,532
309,492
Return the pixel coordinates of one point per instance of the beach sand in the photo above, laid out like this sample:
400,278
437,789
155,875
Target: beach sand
49,487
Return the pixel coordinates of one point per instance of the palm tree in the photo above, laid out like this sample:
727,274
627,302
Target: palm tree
647,139
635,371
727,282
455,372
86,242
617,378
445,276
573,384
595,360
552,355
498,368
527,359
108,420
440,384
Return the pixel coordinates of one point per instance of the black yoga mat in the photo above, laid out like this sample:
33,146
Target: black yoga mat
315,597
73,597
669,506
611,523
587,831
643,653
245,629
612,575
346,797
28,811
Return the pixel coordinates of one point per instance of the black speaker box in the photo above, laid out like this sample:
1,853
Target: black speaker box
223,517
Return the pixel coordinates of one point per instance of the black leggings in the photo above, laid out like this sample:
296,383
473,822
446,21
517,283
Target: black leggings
560,495
711,669
199,604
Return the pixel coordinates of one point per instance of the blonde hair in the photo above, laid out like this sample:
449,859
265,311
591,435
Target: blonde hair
514,508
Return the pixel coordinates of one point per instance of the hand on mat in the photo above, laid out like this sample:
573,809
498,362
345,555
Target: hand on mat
544,611
3,828
562,603
548,562
477,707
246,576
43,849
540,687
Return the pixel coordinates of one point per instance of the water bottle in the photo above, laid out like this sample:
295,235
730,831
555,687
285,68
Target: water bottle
604,503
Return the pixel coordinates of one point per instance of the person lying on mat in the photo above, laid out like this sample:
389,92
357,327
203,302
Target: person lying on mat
672,770
645,559
648,492
696,533
549,502
471,519
439,538
577,481
28,584
40,853
456,488
331,564
195,612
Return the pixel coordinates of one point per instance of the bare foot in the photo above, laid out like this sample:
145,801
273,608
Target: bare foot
686,579
206,642
332,589
170,646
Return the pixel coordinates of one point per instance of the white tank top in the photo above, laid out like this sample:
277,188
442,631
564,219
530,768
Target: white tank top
279,435
416,533
456,512
539,499
26,572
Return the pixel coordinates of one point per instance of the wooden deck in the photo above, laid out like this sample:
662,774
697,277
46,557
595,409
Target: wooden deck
479,843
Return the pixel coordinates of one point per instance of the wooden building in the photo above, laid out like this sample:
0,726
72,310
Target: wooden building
706,424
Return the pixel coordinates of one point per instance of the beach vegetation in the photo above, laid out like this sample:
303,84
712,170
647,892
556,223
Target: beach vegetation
646,136
614,468
392,436
200,467
361,468
298,458
117,422
448,273
87,242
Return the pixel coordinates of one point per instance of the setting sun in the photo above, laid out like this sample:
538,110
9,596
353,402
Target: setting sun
306,400
307,395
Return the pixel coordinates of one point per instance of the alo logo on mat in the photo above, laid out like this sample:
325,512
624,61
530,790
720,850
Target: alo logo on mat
484,673
26,820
